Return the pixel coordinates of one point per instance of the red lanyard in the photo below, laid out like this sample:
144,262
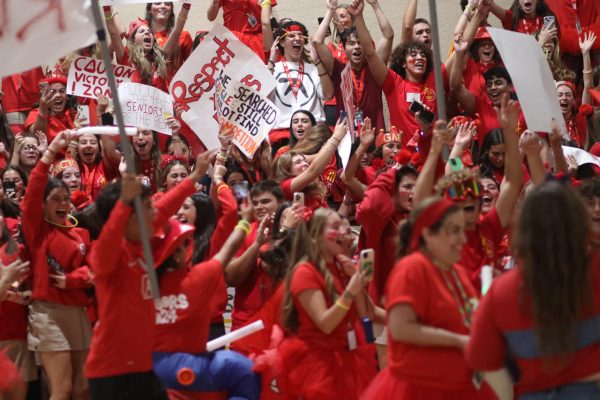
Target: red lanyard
359,86
531,28
294,83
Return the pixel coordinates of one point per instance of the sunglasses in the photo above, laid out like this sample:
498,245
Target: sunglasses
460,189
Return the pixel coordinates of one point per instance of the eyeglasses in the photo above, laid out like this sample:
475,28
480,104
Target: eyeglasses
28,147
460,189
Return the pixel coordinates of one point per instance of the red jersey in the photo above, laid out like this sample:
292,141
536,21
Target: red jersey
380,219
417,282
21,91
577,125
400,93
185,306
55,123
123,338
54,249
503,327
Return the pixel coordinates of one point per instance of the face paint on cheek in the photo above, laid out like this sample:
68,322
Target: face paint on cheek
411,62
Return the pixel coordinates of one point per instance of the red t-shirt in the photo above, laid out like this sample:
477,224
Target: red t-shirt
21,91
186,304
338,54
503,327
483,246
123,338
488,119
307,277
95,177
55,123
577,126
416,282
309,201
473,76
157,81
400,93
370,101
184,50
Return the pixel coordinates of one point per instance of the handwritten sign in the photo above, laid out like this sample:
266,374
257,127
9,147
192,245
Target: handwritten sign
87,77
245,112
34,32
193,86
145,106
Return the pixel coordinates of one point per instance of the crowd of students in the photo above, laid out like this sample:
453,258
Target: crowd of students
368,277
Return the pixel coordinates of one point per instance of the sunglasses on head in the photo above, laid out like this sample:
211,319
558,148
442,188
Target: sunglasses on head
462,188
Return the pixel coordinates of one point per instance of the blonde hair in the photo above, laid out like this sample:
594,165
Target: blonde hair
138,58
313,140
307,248
261,161
282,170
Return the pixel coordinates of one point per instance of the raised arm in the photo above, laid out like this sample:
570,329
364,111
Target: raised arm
265,24
237,271
461,142
318,39
384,47
498,11
463,95
114,33
316,167
357,189
408,21
426,179
376,65
508,118
235,239
531,146
213,10
588,80
172,42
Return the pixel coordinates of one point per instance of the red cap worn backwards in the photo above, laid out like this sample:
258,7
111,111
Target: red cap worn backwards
173,235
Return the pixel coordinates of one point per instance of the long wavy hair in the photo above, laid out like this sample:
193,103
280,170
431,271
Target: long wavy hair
313,140
560,72
205,224
156,157
493,138
261,161
551,243
282,170
307,248
146,64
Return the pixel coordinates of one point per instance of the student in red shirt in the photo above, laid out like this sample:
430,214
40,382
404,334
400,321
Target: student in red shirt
295,174
300,123
180,358
160,16
524,16
98,162
497,84
59,330
20,92
148,156
120,358
52,116
485,235
542,316
322,303
429,301
141,50
408,79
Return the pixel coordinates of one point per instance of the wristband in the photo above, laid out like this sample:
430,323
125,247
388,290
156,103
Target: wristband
317,63
323,74
106,8
589,71
342,305
244,222
243,228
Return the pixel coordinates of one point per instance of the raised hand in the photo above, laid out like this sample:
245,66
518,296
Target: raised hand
367,133
202,162
530,142
465,134
508,113
588,41
460,45
42,140
331,4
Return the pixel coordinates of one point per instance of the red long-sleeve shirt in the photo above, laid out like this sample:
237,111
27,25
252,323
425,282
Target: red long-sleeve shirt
124,335
379,219
68,247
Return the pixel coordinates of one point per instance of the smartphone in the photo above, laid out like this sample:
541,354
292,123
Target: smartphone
241,190
549,20
367,262
84,114
9,187
343,115
299,198
425,115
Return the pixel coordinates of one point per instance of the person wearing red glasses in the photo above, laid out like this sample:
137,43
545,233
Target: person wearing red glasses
484,235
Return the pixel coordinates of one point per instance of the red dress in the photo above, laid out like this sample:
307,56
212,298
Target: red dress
426,372
313,365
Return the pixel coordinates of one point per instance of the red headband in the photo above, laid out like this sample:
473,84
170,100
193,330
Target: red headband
568,84
294,28
134,25
429,216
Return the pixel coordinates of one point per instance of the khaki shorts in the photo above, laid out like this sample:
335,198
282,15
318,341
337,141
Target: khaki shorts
56,327
17,351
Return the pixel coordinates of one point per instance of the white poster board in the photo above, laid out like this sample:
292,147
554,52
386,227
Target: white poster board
145,106
87,77
193,85
34,32
245,112
532,78
581,156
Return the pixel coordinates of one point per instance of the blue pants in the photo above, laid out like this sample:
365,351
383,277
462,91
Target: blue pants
223,370
575,391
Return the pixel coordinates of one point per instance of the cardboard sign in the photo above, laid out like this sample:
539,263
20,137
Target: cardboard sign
581,156
193,86
145,106
532,78
87,77
34,32
244,111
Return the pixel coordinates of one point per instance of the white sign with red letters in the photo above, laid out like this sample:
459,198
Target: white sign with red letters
87,77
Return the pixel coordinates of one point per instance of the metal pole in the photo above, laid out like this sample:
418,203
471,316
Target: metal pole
437,69
126,146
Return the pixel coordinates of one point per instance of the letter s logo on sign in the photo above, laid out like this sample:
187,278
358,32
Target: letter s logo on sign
249,81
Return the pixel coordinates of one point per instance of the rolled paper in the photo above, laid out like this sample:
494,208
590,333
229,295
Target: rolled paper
106,130
487,275
235,335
